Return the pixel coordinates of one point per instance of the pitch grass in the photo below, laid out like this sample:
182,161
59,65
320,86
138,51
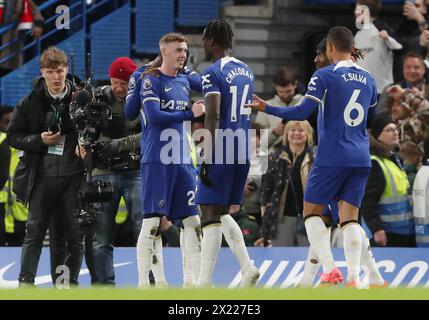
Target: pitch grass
216,294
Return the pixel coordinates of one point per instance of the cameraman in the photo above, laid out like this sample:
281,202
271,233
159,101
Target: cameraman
49,173
120,169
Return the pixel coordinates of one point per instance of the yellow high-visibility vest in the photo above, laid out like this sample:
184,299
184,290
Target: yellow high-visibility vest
13,210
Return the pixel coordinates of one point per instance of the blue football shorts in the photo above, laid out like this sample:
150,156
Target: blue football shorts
169,190
332,184
228,184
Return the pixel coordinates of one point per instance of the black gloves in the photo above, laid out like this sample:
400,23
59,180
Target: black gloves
204,174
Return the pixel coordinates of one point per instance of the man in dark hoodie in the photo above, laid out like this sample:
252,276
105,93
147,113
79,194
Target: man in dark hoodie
49,174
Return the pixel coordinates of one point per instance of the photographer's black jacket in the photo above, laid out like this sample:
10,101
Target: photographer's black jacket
117,127
29,120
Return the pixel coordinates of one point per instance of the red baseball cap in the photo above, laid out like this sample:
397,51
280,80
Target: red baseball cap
122,68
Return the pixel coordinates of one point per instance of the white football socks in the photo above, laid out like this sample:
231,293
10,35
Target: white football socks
145,249
157,265
319,238
352,249
311,266
192,237
188,277
235,240
210,246
367,259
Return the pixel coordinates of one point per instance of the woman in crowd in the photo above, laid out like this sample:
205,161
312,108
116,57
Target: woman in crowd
283,185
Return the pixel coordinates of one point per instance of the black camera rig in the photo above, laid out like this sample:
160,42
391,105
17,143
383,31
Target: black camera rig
89,114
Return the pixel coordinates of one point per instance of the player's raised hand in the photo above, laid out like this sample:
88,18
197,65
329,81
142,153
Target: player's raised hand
257,104
198,109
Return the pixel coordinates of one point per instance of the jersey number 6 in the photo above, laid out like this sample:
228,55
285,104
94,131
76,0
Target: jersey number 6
354,105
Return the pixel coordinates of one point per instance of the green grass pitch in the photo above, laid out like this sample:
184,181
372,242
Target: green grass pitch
217,294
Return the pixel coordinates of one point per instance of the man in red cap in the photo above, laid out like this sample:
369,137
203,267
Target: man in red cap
119,72
114,162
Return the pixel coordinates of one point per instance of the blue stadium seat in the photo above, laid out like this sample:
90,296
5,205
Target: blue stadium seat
197,12
18,83
154,18
110,39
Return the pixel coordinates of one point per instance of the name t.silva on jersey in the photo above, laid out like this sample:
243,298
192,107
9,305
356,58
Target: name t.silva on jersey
354,77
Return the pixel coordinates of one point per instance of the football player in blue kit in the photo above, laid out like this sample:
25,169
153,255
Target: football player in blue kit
134,107
168,177
330,215
227,86
343,92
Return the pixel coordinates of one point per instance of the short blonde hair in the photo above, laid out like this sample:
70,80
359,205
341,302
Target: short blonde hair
52,58
172,37
305,125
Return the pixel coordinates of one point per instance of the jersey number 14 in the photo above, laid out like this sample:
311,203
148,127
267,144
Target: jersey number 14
243,110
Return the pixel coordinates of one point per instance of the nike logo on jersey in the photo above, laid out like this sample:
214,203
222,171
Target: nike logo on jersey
168,89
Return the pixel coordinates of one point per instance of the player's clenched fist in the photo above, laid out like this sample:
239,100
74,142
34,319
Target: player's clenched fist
198,109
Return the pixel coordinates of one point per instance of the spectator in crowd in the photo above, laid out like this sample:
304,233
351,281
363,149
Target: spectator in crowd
412,157
410,110
421,200
377,40
413,78
414,72
286,83
386,209
4,177
412,33
27,17
49,174
5,116
13,214
283,185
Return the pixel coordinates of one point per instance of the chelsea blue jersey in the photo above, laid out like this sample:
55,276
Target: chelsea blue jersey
134,87
233,81
344,92
165,139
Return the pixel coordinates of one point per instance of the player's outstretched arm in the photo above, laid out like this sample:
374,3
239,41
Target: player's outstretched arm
300,112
